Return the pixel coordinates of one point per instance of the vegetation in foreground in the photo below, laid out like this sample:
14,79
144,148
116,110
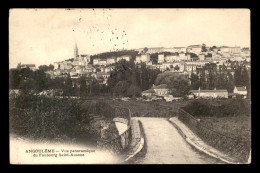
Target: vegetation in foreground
66,120
231,117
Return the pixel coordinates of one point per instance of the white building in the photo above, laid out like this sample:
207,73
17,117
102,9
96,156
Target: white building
138,59
125,57
111,60
241,91
202,57
145,58
194,49
210,93
30,66
160,58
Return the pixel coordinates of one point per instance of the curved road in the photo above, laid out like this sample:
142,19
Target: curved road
164,145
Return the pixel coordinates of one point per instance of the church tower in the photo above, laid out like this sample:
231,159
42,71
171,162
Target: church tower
76,51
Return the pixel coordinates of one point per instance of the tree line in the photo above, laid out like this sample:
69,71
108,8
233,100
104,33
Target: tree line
209,78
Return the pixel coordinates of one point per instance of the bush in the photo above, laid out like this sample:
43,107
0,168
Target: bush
221,108
45,118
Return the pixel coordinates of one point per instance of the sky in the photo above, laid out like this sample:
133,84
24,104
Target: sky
45,36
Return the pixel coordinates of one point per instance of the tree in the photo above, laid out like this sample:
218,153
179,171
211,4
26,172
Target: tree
145,49
195,82
82,86
133,91
176,68
121,88
68,90
203,48
180,87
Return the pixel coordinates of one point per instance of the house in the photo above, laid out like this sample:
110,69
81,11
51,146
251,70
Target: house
125,57
99,61
155,50
145,58
194,49
240,91
190,67
160,58
138,59
148,93
30,66
161,90
111,60
201,57
180,49
210,93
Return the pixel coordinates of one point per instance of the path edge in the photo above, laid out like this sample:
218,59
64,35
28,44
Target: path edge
190,142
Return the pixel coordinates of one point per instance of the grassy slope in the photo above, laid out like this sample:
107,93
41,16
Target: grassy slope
150,109
237,126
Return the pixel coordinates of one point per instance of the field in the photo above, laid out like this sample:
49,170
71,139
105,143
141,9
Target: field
150,109
236,126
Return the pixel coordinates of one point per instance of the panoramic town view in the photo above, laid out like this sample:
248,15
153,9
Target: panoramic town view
129,86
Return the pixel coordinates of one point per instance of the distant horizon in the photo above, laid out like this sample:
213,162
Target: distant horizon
44,36
128,50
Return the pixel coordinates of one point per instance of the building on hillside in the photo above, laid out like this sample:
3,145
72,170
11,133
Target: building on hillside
194,49
171,58
171,49
180,49
235,50
210,93
155,50
56,65
99,61
201,57
224,49
138,59
125,57
161,58
190,67
161,90
246,51
145,57
148,93
240,91
111,60
30,66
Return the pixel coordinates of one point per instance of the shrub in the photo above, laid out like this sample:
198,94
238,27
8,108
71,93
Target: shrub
222,108
45,118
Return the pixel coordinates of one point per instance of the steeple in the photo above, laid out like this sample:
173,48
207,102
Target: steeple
76,51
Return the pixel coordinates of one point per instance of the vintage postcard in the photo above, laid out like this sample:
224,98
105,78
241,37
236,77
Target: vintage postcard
129,86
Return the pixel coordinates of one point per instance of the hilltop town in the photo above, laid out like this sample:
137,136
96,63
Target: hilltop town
180,60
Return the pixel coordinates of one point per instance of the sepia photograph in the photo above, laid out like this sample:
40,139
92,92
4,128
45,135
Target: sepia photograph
129,86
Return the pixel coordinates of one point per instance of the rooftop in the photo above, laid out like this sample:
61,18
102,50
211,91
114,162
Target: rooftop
241,89
208,91
149,91
162,86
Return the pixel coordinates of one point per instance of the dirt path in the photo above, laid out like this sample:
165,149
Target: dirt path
166,146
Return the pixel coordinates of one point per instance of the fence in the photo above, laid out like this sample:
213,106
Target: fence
121,142
237,149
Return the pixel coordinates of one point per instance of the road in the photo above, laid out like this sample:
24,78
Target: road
164,145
